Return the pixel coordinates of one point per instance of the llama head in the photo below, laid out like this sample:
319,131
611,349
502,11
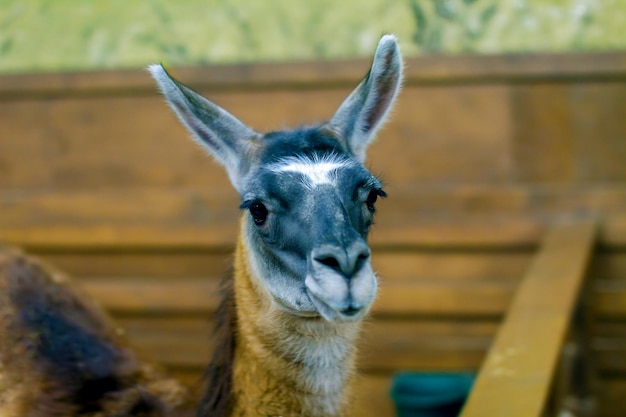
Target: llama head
309,198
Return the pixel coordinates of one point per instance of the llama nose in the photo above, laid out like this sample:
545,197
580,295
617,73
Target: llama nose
345,261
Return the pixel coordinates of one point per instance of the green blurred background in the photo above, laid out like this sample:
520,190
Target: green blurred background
53,35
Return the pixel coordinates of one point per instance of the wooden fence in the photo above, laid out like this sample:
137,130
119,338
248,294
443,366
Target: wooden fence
481,157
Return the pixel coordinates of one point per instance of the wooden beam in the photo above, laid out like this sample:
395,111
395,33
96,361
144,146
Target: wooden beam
423,70
516,377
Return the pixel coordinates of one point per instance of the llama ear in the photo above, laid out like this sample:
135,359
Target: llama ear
366,108
223,135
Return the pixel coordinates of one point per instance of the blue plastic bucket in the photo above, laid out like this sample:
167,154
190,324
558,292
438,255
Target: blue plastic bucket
429,394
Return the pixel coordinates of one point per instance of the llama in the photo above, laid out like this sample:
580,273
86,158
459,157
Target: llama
303,280
60,355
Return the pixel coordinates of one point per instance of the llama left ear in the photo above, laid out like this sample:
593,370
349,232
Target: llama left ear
225,137
366,108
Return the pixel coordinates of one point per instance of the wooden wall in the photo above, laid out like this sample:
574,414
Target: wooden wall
97,176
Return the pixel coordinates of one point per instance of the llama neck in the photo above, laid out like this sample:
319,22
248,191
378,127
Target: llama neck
286,365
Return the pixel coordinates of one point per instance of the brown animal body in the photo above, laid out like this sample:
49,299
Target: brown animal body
60,355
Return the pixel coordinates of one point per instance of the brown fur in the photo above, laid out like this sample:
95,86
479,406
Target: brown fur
269,373
60,355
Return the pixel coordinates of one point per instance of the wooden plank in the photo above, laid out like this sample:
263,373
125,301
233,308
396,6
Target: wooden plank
190,218
372,396
394,266
156,265
423,70
567,132
608,265
434,150
100,143
140,296
543,127
609,300
21,208
160,154
478,233
612,233
450,298
525,352
597,111
609,348
609,357
611,397
609,329
536,120
517,67
424,345
205,219
442,199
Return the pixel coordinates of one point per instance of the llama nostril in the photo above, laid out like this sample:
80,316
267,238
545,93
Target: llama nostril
361,259
329,261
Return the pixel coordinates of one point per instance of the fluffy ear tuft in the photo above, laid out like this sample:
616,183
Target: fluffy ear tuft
366,108
224,136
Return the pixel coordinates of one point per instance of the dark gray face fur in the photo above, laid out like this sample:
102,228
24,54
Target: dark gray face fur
311,208
310,200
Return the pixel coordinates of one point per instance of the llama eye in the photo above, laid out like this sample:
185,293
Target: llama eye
371,200
259,213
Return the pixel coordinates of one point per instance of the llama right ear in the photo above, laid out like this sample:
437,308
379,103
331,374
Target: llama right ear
366,108
223,135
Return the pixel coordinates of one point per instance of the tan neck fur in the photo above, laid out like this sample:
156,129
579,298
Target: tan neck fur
286,365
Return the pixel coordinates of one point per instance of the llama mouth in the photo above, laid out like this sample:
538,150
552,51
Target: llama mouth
331,314
351,311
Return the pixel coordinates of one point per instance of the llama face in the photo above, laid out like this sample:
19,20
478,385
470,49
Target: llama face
309,197
310,209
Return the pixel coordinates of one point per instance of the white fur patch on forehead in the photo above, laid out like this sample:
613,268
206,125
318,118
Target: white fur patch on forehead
316,171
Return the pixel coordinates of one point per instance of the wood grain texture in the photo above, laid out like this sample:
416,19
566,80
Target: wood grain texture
481,156
422,70
203,218
567,133
183,341
461,119
162,219
132,141
525,352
